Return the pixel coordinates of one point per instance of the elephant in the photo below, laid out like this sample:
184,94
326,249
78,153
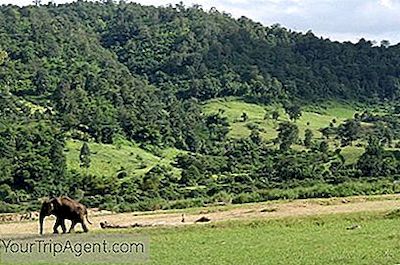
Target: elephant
64,208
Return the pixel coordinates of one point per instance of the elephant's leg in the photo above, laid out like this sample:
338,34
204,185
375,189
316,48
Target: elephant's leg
56,225
84,227
72,226
64,229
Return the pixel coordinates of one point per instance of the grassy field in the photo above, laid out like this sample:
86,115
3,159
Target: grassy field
316,240
108,160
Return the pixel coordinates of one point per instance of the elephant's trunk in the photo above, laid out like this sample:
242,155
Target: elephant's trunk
41,221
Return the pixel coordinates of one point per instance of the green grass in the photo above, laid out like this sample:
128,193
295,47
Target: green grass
310,240
352,153
108,160
312,117
320,240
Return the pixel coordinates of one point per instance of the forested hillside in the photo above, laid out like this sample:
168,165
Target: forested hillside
125,74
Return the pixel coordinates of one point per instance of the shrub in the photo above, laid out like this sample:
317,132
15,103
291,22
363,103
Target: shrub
247,198
222,196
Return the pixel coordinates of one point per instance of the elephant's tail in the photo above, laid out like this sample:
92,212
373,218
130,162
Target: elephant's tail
87,218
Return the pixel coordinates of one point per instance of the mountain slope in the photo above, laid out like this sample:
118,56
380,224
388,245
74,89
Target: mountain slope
99,72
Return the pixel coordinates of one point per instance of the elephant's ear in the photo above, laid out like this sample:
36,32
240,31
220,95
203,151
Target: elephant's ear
55,202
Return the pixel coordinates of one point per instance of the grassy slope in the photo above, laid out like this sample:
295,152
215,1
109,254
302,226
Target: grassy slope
313,117
316,117
108,160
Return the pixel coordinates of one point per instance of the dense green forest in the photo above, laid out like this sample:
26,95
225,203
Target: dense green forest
122,73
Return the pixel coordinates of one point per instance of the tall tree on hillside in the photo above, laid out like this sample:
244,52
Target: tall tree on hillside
371,162
323,147
244,117
308,137
384,133
293,110
218,126
288,134
57,155
349,132
84,156
255,136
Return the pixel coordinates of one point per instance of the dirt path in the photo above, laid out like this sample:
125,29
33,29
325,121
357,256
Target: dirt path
223,213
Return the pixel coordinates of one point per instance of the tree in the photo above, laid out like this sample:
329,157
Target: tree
323,147
156,180
255,136
371,163
57,155
384,133
218,126
308,137
3,56
288,134
397,109
385,43
275,115
190,176
84,156
244,117
349,132
327,132
293,110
